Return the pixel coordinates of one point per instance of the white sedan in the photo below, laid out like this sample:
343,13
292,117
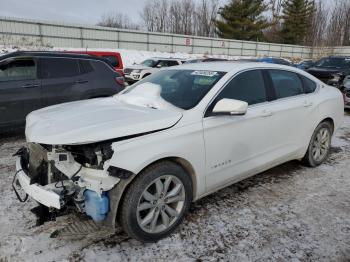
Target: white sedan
141,157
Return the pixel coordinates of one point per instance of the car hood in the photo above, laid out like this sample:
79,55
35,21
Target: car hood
138,67
95,120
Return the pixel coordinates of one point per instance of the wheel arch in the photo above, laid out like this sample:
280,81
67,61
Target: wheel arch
329,120
117,194
145,75
185,164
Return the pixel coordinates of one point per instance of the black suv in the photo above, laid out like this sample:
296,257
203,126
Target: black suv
327,67
32,80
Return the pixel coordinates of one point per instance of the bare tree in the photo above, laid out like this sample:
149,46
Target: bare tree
336,25
155,15
117,20
205,15
187,12
318,26
346,29
189,17
274,18
175,17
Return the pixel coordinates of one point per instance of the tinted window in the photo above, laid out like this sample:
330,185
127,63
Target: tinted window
59,67
172,63
112,59
85,66
164,63
182,88
309,85
22,69
286,83
248,86
149,63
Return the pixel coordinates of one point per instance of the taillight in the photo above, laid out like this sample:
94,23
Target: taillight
120,80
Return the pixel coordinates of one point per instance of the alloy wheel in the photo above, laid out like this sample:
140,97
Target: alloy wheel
161,204
321,144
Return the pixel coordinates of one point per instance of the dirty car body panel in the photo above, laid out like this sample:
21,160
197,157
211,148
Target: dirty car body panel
101,146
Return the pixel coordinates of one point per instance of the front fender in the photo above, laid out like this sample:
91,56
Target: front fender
183,142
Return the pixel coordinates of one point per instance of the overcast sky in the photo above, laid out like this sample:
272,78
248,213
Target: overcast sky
76,11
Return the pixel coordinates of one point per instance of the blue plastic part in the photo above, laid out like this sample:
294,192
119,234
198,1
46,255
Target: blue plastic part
96,206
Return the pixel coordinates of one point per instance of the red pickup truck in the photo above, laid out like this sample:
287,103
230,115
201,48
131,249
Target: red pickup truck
114,57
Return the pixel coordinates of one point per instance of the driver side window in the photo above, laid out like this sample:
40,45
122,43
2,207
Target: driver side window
248,86
17,70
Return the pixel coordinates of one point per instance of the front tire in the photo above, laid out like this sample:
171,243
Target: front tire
156,202
319,146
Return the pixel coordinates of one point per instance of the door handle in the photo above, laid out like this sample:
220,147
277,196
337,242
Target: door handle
30,85
307,104
266,113
81,81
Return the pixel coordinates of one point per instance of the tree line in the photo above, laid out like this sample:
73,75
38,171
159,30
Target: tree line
300,22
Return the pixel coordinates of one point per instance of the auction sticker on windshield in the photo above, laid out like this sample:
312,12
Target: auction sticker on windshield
204,73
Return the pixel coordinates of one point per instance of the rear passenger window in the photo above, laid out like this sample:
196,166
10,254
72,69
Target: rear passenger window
112,59
60,67
309,85
248,86
286,83
85,66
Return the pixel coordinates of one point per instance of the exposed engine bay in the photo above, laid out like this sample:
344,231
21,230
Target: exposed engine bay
78,176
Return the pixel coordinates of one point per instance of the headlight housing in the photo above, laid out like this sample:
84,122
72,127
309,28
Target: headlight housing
91,155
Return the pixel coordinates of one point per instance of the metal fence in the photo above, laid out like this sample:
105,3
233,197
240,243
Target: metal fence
22,32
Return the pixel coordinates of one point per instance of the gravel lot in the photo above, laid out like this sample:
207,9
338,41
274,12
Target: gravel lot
288,213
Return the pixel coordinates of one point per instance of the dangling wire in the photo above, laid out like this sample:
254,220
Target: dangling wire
14,188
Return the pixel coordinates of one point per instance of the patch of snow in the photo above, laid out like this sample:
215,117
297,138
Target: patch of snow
131,57
289,213
146,95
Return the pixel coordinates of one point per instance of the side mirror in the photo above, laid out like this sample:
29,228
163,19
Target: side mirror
230,107
158,66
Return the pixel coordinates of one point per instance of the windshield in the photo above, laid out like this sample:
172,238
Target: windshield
149,63
334,62
181,88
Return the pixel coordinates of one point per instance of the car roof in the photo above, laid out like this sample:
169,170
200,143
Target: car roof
165,58
56,54
93,52
50,54
231,66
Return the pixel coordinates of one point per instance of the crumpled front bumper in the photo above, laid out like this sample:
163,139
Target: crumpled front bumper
45,195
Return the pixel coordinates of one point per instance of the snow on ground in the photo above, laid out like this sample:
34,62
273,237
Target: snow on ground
289,213
131,57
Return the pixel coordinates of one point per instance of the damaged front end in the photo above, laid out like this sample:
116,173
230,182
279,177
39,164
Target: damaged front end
76,176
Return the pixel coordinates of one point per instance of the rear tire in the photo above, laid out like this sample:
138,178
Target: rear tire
319,146
156,202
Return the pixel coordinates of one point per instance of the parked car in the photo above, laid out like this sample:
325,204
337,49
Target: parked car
327,67
305,64
141,157
33,80
114,58
273,60
342,82
136,72
205,59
